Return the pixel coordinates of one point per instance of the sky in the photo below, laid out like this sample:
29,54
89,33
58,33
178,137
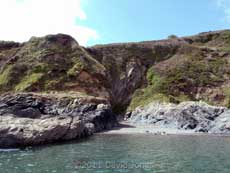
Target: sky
93,22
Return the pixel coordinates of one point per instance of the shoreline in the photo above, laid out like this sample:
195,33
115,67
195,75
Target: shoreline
126,128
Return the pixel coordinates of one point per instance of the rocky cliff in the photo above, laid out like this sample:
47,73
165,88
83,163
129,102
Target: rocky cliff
120,76
173,70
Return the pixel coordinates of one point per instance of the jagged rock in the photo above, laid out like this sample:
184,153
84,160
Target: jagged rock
221,124
27,119
195,116
28,113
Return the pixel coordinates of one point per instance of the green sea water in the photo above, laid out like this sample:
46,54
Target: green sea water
124,153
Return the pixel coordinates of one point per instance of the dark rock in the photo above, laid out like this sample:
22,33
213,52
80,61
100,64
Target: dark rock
32,120
102,119
27,113
8,45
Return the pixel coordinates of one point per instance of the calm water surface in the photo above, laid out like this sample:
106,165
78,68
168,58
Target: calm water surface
124,153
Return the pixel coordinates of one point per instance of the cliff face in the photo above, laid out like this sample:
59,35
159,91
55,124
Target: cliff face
173,70
127,75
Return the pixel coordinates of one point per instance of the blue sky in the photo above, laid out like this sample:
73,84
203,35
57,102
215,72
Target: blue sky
107,21
136,20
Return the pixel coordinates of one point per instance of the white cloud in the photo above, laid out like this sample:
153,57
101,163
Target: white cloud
225,5
21,19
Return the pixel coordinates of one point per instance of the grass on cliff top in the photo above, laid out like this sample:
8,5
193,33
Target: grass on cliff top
219,40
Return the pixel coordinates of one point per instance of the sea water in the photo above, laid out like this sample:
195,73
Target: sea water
104,153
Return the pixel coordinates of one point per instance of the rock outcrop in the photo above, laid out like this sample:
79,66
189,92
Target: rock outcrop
27,119
192,116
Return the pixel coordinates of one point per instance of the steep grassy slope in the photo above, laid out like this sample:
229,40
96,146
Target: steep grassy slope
191,74
126,74
51,63
199,70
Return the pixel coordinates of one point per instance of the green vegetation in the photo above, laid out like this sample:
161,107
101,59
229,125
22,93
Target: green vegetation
11,75
41,68
224,49
5,76
180,82
76,69
226,37
193,74
172,36
53,83
217,40
56,60
143,97
157,90
28,81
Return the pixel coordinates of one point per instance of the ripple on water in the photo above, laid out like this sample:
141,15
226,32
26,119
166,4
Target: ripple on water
174,154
